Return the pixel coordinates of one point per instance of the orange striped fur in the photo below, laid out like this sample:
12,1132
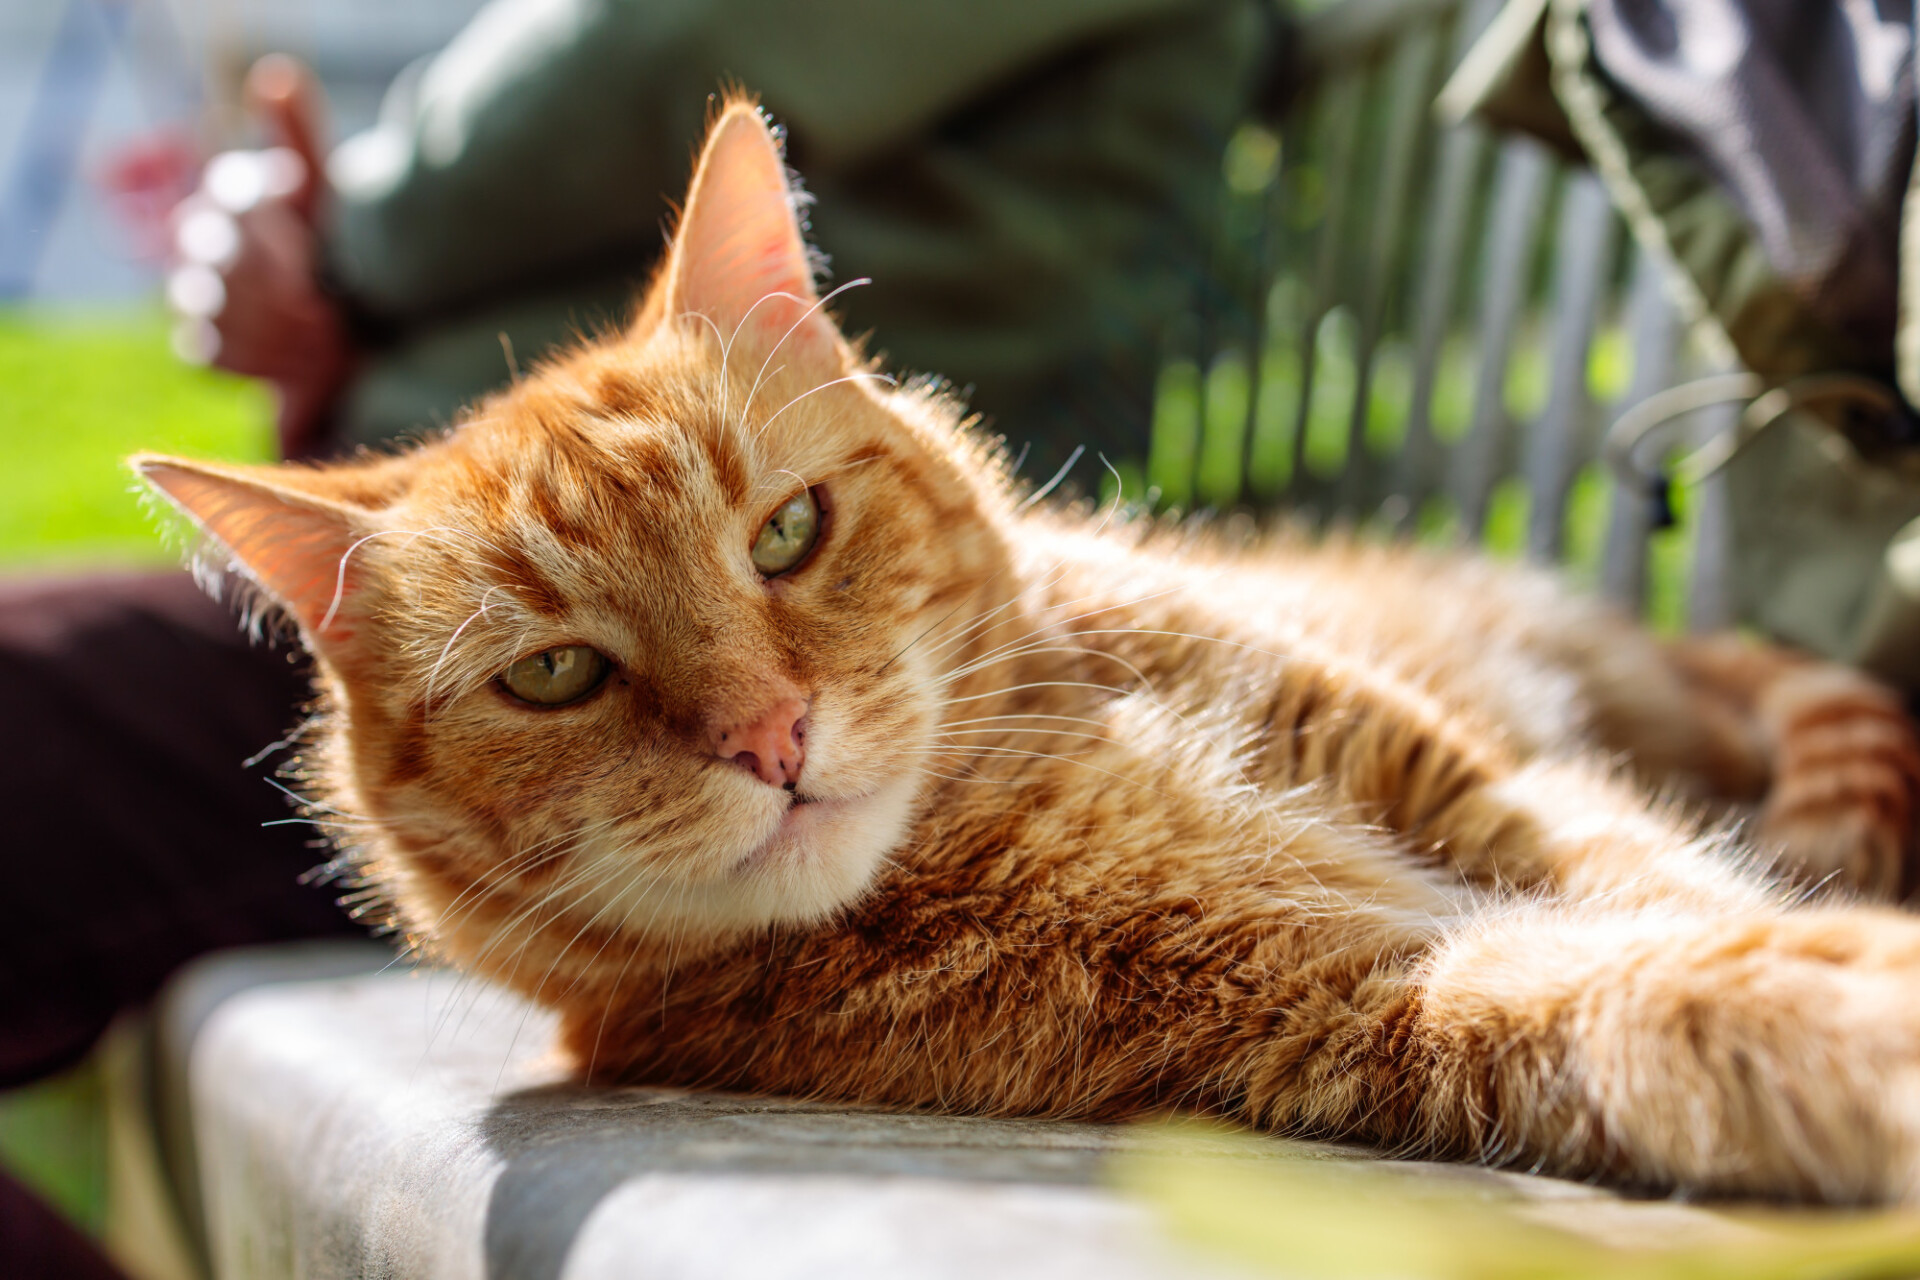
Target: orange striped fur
1105,814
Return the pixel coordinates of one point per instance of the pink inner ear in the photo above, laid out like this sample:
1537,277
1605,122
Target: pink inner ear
298,552
739,258
311,570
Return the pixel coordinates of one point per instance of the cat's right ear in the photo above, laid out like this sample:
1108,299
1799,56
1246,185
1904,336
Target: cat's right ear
738,258
296,546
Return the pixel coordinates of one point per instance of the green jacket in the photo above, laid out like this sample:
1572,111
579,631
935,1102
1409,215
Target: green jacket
1028,183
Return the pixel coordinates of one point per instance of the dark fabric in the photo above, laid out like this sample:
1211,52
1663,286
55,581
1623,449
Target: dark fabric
1765,146
547,136
1033,202
1805,113
134,838
38,1244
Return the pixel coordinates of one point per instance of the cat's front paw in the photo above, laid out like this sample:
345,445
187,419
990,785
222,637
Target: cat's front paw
1771,1054
1846,783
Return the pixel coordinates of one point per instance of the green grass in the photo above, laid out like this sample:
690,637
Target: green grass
79,392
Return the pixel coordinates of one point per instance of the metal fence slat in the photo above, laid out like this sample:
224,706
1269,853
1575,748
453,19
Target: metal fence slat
1456,177
1655,330
1521,188
1709,602
1411,74
1340,116
1562,438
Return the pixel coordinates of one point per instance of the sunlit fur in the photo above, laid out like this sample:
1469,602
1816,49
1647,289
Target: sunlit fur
1111,814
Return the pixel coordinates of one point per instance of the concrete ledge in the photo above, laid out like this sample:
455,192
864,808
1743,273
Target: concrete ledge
412,1124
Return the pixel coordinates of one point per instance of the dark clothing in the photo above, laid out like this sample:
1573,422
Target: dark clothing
135,838
1766,148
1029,187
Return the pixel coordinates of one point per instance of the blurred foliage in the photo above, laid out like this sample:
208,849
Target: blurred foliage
81,390
1201,455
53,1138
1312,1217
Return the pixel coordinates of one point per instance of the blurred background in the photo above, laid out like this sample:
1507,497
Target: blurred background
107,109
107,106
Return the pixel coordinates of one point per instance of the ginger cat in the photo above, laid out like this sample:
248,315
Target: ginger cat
723,694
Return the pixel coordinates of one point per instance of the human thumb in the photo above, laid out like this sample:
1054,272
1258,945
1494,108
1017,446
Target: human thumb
286,97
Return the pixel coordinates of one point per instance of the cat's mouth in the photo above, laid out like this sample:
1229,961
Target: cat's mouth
803,821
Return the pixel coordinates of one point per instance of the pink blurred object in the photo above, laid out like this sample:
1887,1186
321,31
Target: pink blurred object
143,180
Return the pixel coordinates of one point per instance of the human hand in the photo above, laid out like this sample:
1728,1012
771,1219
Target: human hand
244,284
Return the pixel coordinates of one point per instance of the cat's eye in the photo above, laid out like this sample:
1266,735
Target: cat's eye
554,677
788,535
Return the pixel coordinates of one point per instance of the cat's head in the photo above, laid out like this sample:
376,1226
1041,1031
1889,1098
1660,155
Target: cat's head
638,639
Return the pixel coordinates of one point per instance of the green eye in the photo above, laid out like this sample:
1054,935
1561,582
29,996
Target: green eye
787,535
556,676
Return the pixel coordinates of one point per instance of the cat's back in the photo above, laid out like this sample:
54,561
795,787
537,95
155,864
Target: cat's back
1210,610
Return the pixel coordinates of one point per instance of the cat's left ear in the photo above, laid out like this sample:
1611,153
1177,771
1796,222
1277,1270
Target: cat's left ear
295,545
738,257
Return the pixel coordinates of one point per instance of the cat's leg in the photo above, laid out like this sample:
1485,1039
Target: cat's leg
1843,760
1453,791
1667,1020
1819,760
1823,757
1764,1051
1769,1052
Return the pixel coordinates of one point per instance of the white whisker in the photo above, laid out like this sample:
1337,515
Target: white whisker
834,382
747,406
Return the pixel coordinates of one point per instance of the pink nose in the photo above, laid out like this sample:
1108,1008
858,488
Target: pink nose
770,745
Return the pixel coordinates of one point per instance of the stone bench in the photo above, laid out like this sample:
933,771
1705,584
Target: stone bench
320,1120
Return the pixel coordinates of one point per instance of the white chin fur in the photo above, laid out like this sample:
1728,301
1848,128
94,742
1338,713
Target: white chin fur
823,863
